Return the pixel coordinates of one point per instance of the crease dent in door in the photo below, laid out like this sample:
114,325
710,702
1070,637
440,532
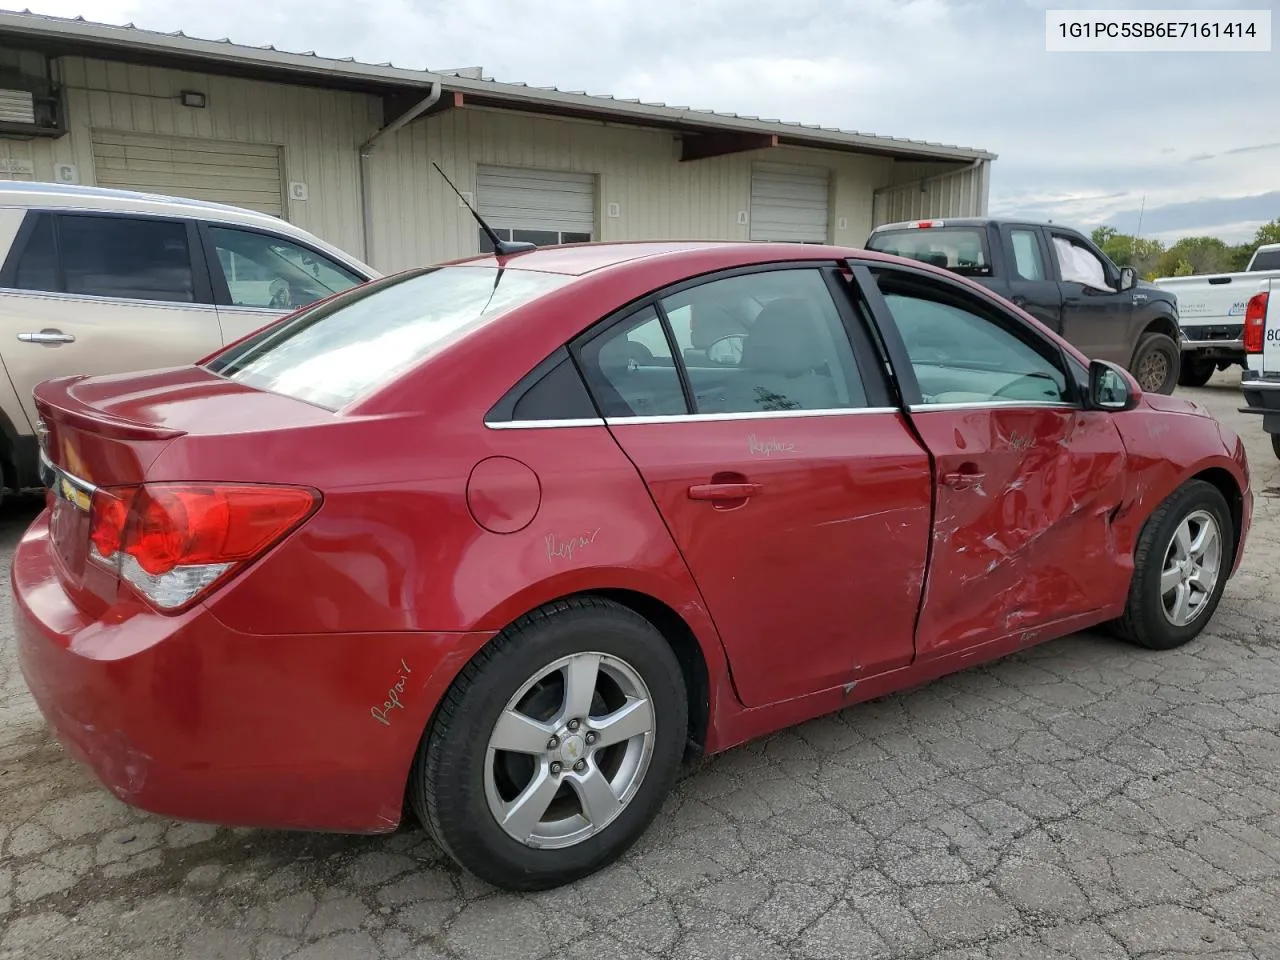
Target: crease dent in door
1032,542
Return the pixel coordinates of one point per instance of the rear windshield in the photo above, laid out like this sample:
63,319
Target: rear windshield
342,349
962,250
1266,260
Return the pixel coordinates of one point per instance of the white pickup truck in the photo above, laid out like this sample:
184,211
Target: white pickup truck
1260,381
1211,314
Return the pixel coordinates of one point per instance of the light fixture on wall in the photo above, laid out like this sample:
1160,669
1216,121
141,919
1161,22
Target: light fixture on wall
192,98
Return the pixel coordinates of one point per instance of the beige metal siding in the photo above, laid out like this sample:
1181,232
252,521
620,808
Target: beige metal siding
961,193
243,174
18,156
790,203
318,132
643,190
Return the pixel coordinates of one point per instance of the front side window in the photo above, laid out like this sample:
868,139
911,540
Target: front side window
1078,264
271,272
126,257
341,350
960,354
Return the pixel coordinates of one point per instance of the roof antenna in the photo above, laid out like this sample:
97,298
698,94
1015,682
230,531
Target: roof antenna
503,248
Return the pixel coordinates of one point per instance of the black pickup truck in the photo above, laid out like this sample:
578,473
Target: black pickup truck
1061,278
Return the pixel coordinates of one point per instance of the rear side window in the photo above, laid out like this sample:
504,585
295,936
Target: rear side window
961,250
344,348
127,258
1027,260
268,271
38,267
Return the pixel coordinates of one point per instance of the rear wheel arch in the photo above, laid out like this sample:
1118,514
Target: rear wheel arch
673,627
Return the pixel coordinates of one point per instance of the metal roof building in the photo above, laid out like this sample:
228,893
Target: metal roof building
346,149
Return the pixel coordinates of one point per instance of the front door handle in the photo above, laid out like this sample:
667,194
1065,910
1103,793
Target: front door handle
723,491
47,336
966,478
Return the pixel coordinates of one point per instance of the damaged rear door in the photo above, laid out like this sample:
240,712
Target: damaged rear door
1025,480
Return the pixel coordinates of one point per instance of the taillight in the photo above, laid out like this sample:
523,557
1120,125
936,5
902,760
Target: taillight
174,541
1255,322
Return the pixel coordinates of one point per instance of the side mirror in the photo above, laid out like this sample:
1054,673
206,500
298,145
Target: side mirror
1111,388
1128,278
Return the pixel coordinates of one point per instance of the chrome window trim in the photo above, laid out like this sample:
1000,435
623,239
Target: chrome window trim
995,405
544,424
95,298
748,415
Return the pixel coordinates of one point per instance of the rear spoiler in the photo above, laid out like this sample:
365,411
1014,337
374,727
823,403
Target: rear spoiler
56,402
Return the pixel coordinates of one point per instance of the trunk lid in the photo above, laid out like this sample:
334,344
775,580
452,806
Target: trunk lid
109,431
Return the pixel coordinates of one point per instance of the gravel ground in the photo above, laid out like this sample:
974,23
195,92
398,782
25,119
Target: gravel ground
1084,800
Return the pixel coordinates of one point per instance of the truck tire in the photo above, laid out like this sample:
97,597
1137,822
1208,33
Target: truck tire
1275,444
1156,363
1196,372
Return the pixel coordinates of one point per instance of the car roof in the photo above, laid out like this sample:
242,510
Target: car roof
580,259
47,196
971,222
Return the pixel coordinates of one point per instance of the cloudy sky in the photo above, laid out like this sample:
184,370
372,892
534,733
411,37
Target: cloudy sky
1082,138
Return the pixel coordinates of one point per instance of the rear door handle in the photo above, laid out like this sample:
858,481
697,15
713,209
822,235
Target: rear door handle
964,479
47,336
723,491
1019,301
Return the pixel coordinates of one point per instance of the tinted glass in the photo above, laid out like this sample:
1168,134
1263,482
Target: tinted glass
1026,254
38,268
131,258
765,341
1266,260
962,250
269,271
342,349
631,370
960,355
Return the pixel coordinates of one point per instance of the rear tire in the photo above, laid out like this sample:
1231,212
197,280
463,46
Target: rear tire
1156,363
1275,444
1175,590
568,798
1196,373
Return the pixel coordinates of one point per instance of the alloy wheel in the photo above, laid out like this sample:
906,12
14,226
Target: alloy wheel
569,751
1192,565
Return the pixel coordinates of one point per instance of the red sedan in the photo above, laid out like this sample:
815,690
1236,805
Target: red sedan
503,540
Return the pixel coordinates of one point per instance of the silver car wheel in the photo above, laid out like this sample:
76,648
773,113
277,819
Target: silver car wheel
1192,565
569,750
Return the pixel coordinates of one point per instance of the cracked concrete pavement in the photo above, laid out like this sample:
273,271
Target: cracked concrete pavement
1082,800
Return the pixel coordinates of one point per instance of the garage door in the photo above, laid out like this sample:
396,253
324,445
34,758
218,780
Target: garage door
537,206
223,171
789,203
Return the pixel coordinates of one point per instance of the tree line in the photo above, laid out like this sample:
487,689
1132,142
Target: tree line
1188,257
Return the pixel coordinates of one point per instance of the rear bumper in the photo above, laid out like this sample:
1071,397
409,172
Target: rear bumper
186,718
1263,397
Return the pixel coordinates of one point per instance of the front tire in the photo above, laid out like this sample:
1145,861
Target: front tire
1196,373
555,747
1275,444
1156,363
1181,564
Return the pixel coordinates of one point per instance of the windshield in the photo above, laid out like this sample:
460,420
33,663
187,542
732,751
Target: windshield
1266,260
958,249
344,348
